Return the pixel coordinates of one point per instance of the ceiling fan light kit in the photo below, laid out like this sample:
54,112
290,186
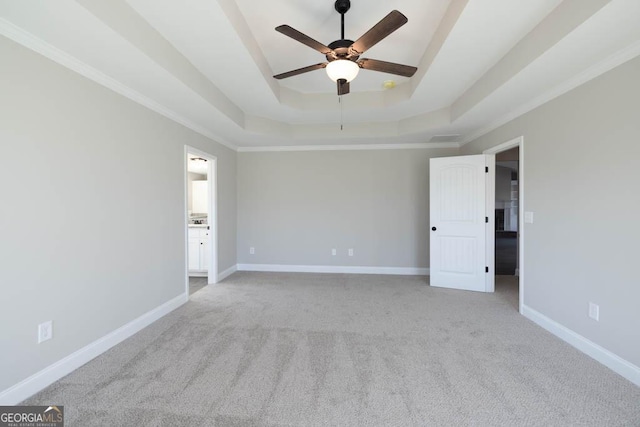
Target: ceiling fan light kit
343,56
342,69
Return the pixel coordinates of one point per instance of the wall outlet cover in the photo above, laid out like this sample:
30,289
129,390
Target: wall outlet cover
45,331
528,217
594,311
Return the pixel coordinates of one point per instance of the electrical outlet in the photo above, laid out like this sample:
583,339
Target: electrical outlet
252,250
594,311
45,331
528,217
351,252
334,252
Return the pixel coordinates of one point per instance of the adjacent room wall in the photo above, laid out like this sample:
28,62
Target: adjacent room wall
582,181
294,207
503,184
192,176
511,155
93,207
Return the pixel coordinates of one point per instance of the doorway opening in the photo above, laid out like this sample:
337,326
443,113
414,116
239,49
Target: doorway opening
200,220
507,232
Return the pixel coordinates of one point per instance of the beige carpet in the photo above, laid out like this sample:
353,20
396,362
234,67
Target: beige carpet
196,284
344,350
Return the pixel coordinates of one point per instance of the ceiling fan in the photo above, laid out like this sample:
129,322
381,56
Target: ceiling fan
343,55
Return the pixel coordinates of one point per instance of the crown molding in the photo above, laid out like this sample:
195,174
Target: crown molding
38,45
553,28
352,147
590,73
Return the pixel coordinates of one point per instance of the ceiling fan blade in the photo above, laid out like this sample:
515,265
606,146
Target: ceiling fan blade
387,67
300,71
343,87
303,38
382,29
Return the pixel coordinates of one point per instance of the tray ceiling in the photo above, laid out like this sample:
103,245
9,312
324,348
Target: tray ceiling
208,64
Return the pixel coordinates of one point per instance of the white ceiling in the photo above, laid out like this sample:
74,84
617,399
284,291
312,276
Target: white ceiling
208,64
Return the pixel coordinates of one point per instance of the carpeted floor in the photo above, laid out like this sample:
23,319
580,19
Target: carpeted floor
196,284
344,350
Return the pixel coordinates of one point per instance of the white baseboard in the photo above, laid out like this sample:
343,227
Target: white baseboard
52,373
228,272
401,271
198,274
602,355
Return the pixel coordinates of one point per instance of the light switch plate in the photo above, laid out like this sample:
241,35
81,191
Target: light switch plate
594,311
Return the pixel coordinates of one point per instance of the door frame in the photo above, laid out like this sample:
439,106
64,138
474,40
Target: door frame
491,230
212,178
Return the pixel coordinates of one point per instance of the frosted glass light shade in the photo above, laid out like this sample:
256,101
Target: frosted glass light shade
342,69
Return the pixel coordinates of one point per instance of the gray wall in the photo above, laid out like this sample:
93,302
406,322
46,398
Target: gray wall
582,182
90,239
294,207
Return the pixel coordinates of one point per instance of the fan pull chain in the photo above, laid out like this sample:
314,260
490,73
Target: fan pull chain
341,114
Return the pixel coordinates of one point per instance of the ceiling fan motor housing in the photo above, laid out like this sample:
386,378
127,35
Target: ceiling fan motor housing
340,50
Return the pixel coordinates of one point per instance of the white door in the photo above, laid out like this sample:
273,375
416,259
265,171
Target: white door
458,215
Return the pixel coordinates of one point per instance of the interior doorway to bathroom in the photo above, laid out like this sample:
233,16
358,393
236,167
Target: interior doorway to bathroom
201,219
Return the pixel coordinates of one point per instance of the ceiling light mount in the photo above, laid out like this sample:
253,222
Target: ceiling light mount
342,6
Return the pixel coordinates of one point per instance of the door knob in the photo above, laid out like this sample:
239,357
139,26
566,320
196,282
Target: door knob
433,229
